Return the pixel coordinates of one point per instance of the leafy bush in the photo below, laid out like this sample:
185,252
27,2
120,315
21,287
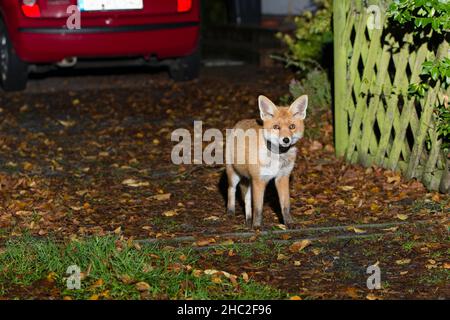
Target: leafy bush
306,47
428,18
307,54
421,14
316,85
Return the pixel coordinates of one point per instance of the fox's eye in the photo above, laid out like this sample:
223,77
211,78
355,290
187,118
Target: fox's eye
292,126
276,127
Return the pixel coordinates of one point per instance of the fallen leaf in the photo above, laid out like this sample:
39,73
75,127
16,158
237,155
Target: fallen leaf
299,245
210,272
27,166
356,230
391,229
170,213
197,273
394,179
212,218
315,146
216,279
285,236
352,292
227,242
402,216
51,277
204,242
371,296
281,256
161,197
142,286
403,261
67,124
97,283
134,184
126,279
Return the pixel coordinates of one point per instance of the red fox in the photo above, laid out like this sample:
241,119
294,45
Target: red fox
271,155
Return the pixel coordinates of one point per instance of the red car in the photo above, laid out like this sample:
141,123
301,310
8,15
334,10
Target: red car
37,32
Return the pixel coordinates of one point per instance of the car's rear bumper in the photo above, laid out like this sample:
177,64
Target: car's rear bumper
49,45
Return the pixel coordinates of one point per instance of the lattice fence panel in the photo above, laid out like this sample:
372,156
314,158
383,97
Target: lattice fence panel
376,122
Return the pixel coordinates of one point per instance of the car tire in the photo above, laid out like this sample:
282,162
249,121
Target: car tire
186,68
13,71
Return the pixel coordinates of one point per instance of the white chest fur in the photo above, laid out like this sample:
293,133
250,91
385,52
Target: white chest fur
273,165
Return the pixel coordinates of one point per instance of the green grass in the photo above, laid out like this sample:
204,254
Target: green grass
26,261
165,224
408,246
435,277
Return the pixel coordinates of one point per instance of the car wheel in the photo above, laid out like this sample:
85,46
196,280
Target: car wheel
13,71
186,68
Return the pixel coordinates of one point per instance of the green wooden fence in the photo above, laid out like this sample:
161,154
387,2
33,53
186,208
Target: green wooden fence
376,123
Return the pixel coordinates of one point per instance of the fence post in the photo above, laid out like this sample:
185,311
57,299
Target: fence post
340,77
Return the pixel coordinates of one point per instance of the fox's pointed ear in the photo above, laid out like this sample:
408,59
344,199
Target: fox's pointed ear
267,108
299,106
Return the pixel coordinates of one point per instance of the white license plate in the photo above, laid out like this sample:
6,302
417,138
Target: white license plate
104,5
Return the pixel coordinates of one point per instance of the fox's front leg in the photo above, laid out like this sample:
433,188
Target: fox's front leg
233,181
282,184
258,188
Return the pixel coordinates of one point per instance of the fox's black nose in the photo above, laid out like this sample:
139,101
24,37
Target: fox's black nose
286,140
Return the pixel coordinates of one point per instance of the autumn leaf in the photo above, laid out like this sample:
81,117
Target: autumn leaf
392,229
67,124
402,216
315,146
134,184
227,242
142,286
27,166
126,279
170,213
394,179
217,280
204,242
280,226
299,245
347,188
281,257
403,261
371,296
210,272
51,277
352,292
97,284
161,197
356,230
212,218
